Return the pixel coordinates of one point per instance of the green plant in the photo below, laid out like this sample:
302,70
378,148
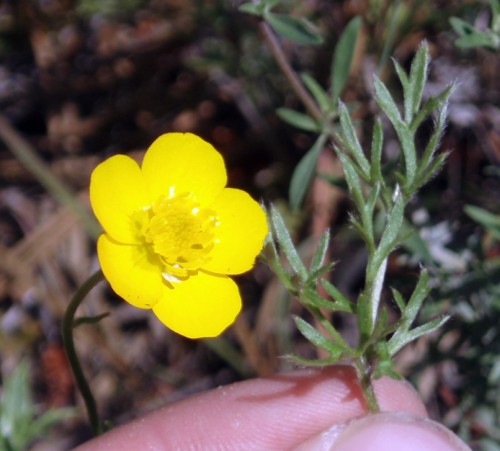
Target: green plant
379,201
20,423
472,37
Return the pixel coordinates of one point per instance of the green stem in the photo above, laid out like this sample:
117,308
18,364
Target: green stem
69,346
366,385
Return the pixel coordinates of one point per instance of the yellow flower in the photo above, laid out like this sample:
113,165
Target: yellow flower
173,233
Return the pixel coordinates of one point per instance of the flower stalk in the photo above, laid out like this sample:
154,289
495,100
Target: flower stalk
69,346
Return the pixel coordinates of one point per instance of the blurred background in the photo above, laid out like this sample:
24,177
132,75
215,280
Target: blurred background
81,80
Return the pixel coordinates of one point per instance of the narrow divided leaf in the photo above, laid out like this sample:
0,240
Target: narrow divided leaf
418,77
343,304
386,102
351,142
398,341
434,141
311,362
353,181
432,169
376,153
418,296
398,299
312,299
392,229
432,104
286,244
316,338
405,83
407,141
320,253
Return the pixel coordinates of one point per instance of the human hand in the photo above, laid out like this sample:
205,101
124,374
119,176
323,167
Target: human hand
303,410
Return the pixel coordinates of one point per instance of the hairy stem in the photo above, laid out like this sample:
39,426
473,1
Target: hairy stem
365,381
289,73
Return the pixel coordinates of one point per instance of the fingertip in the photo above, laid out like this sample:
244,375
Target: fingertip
398,396
386,432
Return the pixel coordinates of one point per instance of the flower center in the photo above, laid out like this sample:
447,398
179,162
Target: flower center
181,233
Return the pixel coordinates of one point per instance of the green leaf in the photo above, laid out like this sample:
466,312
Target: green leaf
342,57
398,341
435,138
16,408
314,276
256,9
311,362
320,253
376,153
286,244
476,40
432,104
296,30
312,299
89,319
488,220
369,207
351,142
418,296
384,365
299,120
432,169
403,334
389,107
316,338
317,91
304,173
398,299
353,181
417,80
389,238
364,312
461,27
405,83
42,424
409,152
342,303
386,102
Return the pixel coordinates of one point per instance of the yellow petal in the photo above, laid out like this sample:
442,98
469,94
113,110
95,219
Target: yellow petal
118,195
133,273
200,307
240,234
179,163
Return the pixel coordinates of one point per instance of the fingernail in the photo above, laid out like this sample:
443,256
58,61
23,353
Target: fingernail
386,432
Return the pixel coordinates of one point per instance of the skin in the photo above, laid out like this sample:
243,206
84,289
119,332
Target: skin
303,410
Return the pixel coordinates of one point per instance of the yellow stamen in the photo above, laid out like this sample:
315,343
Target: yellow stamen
182,233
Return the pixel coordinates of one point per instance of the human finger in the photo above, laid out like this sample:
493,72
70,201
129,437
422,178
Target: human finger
386,432
276,412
